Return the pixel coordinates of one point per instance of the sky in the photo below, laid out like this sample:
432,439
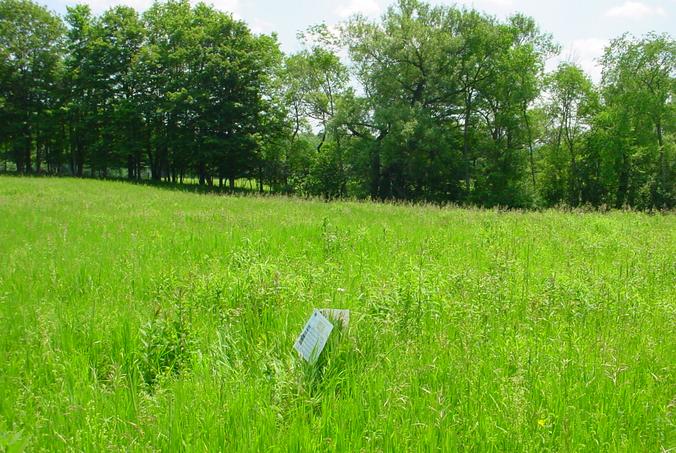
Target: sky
582,27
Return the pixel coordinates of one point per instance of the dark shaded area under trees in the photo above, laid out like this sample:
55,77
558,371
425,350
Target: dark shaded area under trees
434,104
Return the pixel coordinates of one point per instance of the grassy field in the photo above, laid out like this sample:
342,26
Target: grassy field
137,318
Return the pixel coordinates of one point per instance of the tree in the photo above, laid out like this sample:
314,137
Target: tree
406,67
317,80
30,53
446,92
512,83
572,104
428,102
638,89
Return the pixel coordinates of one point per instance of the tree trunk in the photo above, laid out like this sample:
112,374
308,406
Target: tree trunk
130,166
201,170
574,182
465,144
321,142
152,159
38,152
71,149
375,171
27,153
662,162
529,135
19,158
341,167
79,153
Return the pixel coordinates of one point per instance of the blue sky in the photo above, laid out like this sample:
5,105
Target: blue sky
582,27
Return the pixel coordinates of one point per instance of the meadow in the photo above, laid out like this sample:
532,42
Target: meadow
143,319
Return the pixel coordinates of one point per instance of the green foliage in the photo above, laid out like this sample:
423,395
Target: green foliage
325,176
31,41
571,110
638,88
166,338
429,103
164,349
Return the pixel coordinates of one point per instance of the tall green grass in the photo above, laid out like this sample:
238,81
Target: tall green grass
135,318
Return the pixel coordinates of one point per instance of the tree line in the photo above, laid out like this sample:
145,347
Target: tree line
427,103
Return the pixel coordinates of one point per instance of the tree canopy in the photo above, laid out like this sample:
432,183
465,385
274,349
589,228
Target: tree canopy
426,103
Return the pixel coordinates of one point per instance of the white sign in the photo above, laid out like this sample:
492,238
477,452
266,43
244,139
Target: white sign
312,340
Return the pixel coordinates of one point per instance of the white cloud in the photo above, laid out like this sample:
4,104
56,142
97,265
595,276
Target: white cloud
373,8
365,7
487,5
229,6
261,26
500,3
99,6
583,52
635,10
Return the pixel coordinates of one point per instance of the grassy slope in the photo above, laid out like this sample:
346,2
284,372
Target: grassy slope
470,328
